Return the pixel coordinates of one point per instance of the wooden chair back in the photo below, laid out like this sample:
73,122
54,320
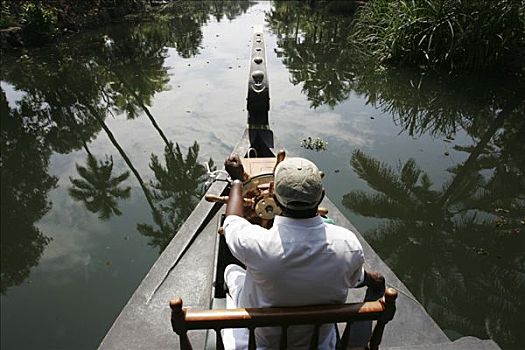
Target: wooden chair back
382,310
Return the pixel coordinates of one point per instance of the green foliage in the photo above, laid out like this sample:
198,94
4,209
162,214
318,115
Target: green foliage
452,34
6,16
316,144
320,52
38,22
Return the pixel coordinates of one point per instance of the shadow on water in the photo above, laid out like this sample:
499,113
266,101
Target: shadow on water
67,93
459,248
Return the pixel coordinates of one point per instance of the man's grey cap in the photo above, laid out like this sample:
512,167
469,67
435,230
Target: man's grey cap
298,184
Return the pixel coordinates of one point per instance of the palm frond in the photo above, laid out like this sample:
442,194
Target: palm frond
379,176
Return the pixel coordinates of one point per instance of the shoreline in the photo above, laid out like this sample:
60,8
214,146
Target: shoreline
14,38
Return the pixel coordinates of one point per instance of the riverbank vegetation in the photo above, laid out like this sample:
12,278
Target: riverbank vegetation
454,35
31,23
34,22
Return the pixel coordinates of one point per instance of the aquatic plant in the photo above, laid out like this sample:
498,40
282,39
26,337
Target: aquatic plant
457,35
317,144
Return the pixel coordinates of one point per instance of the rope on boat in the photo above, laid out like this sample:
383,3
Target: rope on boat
214,175
388,285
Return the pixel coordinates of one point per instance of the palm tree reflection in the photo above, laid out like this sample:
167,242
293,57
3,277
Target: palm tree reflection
98,189
178,186
67,92
447,251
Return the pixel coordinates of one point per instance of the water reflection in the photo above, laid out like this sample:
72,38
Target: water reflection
67,93
313,45
192,15
177,188
454,248
25,184
97,188
463,244
459,248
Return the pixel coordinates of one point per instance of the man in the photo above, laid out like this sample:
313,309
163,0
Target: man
301,260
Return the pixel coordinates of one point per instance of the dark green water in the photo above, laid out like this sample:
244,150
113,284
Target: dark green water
429,169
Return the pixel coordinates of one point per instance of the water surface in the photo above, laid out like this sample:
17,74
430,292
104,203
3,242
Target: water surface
104,137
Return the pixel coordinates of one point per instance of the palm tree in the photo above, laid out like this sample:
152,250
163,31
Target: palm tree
98,189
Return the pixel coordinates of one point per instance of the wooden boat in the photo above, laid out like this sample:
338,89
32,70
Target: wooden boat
191,266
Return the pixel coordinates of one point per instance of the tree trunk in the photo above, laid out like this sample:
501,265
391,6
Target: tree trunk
84,144
466,169
111,137
144,108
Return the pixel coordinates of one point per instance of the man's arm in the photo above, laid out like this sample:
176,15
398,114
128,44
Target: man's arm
233,165
235,204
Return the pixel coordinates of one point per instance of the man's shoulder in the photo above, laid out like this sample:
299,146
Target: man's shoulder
234,218
340,233
236,223
239,229
336,229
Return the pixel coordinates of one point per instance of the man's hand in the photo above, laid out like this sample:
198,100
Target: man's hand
233,166
375,281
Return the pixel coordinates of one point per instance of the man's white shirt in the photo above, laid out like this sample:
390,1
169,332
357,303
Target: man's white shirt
296,262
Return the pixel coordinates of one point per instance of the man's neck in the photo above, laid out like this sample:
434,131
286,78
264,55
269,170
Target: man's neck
299,214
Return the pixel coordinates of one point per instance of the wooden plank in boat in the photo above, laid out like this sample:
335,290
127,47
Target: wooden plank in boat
257,166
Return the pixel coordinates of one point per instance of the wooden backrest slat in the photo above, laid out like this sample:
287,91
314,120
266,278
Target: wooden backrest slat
262,317
283,343
314,340
383,310
219,344
343,342
252,345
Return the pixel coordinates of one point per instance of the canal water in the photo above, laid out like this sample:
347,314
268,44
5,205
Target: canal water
104,138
